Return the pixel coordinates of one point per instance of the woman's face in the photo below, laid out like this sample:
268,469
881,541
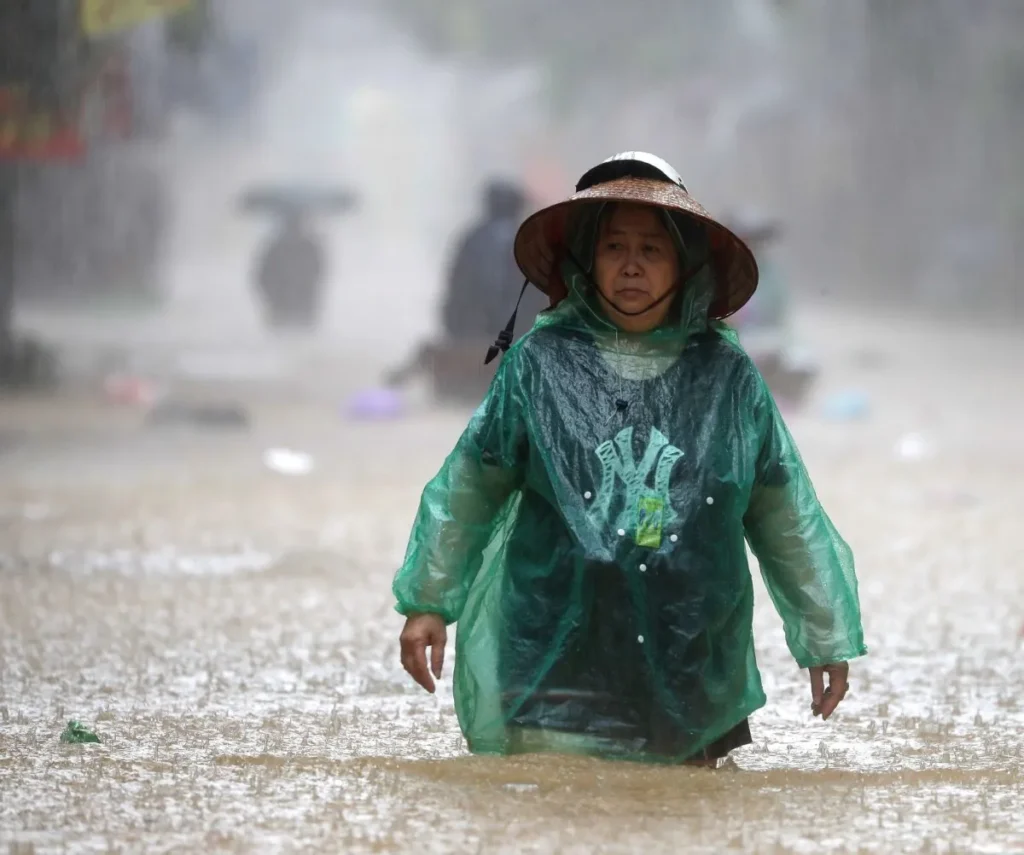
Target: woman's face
635,265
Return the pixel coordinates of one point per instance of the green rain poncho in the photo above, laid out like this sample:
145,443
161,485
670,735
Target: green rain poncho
588,535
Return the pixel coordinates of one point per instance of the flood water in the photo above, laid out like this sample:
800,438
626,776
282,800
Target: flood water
228,632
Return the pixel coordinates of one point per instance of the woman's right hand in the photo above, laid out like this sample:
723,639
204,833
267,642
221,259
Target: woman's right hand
422,631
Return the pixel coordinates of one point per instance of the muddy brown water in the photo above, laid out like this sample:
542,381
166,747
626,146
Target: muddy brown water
229,633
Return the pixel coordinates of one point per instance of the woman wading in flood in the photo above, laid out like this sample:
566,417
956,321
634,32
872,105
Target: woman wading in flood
588,531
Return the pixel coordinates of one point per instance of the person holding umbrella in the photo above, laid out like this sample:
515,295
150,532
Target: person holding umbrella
290,273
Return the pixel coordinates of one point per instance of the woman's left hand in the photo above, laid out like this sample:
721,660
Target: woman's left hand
824,701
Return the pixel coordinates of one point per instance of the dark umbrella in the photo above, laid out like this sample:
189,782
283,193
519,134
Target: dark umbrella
285,201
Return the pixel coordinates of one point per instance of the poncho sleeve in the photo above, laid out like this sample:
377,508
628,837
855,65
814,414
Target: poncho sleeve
461,506
807,567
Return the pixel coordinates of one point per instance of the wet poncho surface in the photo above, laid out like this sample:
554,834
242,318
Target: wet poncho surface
588,535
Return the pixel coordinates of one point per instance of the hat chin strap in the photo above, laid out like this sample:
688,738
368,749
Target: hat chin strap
669,293
504,339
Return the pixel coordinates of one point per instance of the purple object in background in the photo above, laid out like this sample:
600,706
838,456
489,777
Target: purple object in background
374,404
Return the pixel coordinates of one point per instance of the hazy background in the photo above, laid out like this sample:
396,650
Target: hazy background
889,136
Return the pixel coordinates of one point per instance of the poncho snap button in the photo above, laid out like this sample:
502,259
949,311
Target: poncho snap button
643,568
711,500
640,638
622,532
588,495
674,538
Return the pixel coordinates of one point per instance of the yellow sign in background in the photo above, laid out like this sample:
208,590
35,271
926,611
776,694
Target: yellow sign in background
102,17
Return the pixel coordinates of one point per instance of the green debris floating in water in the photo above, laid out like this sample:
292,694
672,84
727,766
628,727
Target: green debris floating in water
76,734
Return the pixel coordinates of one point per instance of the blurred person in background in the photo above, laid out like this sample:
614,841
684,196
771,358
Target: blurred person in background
588,531
764,324
768,307
483,278
290,274
481,285
289,278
